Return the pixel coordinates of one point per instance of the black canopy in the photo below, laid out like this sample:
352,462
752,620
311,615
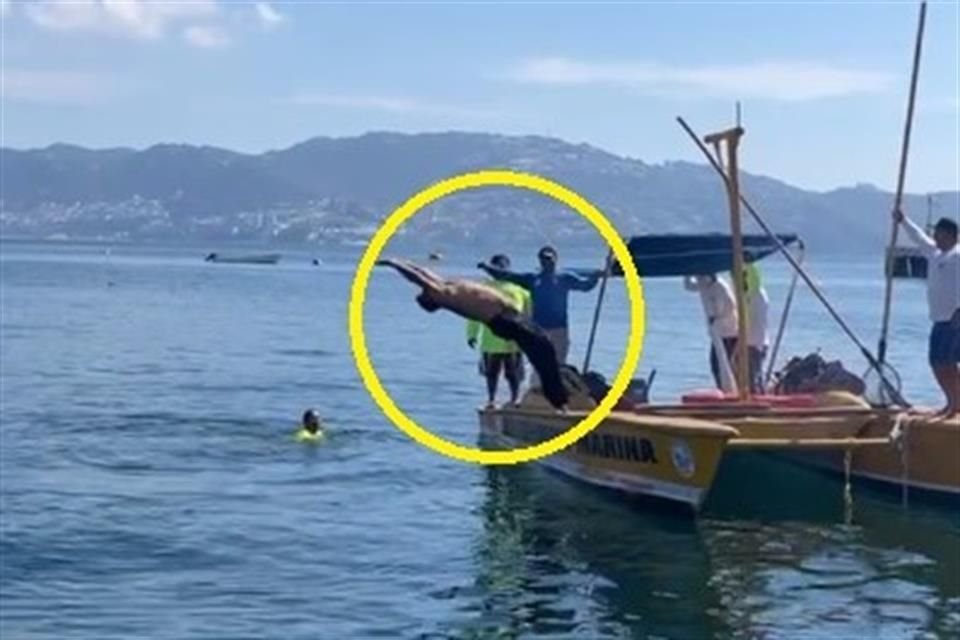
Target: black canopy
688,255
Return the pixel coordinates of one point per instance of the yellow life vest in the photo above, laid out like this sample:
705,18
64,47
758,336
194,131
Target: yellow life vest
306,436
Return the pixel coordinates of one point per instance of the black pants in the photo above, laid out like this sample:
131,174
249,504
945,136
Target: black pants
730,346
756,356
535,344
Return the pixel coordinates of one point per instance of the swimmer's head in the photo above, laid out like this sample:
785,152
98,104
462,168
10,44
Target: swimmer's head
311,421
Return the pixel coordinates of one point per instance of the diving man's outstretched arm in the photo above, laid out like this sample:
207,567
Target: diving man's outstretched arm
415,274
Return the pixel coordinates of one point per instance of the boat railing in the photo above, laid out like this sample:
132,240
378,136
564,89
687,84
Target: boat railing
807,443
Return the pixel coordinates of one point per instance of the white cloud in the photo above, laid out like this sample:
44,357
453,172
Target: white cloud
206,37
208,24
388,104
787,81
138,19
269,17
56,87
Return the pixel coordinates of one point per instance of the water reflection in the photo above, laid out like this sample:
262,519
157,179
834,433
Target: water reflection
555,559
558,560
800,579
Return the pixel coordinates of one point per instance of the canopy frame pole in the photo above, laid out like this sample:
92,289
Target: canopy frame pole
894,394
783,321
596,312
901,178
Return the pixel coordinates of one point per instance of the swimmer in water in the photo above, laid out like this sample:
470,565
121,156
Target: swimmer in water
310,430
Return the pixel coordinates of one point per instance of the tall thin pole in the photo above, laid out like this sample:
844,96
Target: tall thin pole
783,323
732,139
901,177
596,312
733,168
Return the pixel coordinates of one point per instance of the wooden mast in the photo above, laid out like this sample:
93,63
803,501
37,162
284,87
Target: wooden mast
731,138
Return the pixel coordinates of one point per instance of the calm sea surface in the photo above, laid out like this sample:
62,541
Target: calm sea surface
150,488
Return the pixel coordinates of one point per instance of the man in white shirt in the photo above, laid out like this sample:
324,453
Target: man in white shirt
943,297
721,309
758,304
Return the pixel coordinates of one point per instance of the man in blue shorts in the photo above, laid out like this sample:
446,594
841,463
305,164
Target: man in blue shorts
943,296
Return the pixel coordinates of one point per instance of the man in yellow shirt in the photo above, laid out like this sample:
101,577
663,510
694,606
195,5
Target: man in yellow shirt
497,354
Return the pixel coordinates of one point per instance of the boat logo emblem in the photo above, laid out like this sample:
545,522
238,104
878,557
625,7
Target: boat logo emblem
682,458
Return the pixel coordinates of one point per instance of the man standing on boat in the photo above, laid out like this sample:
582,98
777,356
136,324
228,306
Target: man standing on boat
497,354
721,309
943,297
550,291
758,304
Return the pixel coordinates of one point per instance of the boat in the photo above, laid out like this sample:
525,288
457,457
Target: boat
670,458
674,451
435,256
907,262
919,453
910,262
266,258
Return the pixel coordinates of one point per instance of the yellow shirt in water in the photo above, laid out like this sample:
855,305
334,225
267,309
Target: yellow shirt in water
306,436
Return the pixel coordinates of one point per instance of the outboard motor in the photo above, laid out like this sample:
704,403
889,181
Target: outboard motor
638,390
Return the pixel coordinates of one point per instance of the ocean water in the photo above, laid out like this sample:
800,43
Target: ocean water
150,488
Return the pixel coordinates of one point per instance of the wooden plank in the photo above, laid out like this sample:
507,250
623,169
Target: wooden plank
680,425
806,443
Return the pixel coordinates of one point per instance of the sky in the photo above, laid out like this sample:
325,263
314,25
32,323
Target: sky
823,85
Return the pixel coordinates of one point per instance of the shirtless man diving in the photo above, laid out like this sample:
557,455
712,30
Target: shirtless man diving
477,301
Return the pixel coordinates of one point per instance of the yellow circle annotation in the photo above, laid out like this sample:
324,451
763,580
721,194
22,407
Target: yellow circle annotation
474,180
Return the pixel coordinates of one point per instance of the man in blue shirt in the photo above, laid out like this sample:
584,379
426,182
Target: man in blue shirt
549,290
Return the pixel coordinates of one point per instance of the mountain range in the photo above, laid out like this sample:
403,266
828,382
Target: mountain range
336,190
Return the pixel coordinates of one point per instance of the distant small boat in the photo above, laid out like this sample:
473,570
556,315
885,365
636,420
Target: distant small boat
908,262
267,258
436,256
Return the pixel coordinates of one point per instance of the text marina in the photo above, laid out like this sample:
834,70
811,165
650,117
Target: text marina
602,445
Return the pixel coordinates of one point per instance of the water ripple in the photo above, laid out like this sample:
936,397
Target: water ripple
150,485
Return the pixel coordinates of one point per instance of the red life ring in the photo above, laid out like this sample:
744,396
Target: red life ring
714,396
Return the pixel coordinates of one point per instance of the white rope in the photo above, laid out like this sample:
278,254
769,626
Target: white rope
847,487
900,437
